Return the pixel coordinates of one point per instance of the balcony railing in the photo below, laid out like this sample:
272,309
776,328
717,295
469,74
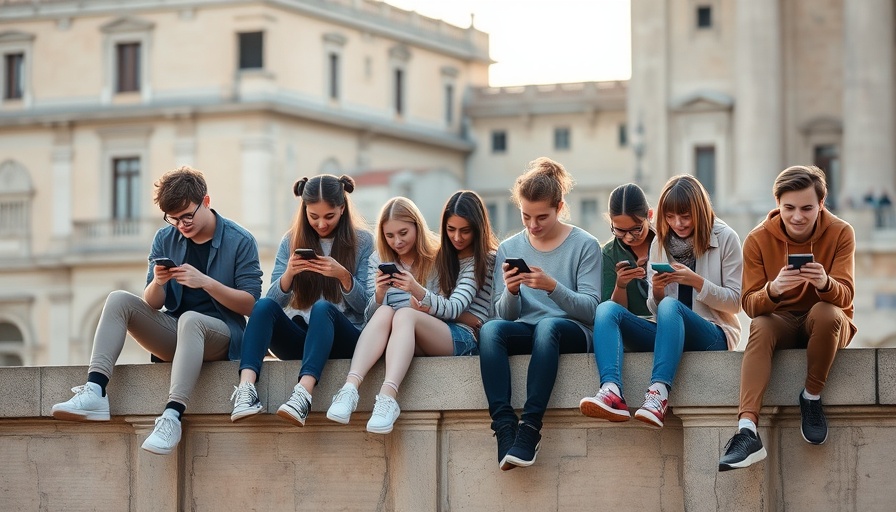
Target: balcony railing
114,235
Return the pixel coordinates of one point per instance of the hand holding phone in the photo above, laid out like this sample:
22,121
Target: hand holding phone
164,262
518,264
306,254
798,260
662,268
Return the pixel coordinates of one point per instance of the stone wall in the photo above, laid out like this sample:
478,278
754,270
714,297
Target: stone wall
441,455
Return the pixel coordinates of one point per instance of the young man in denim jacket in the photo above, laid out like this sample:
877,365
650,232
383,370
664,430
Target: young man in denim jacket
213,284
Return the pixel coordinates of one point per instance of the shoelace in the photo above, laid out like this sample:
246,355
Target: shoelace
653,401
243,395
384,407
738,442
80,390
300,400
527,434
814,412
164,427
344,395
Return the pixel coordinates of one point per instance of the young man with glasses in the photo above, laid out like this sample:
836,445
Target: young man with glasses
206,296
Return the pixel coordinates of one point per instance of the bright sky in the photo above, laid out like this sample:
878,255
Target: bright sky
544,41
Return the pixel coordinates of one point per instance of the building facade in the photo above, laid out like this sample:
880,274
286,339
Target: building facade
735,91
100,97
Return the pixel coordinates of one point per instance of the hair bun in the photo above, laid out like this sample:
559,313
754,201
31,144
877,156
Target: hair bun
299,186
348,184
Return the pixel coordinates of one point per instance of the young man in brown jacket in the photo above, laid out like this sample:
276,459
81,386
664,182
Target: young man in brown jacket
793,304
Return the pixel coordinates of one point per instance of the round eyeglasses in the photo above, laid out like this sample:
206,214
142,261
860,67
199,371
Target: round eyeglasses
184,220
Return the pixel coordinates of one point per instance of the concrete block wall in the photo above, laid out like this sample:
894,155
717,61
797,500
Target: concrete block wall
441,455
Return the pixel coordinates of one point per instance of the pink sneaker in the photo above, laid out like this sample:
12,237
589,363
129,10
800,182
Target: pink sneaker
653,412
605,405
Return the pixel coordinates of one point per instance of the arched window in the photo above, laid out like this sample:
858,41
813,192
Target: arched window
11,345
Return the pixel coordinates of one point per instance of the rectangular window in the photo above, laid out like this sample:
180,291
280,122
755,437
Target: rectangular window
127,61
14,83
449,104
399,91
334,76
125,186
590,216
499,141
251,50
827,158
561,138
704,16
623,135
705,167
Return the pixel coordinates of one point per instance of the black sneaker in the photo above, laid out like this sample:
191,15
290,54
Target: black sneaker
742,450
505,433
813,424
524,449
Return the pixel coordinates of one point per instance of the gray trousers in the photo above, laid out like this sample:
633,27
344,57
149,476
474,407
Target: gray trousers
186,341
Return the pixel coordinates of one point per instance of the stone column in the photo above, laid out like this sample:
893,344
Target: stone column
257,168
705,432
62,156
869,155
156,479
60,328
758,112
413,453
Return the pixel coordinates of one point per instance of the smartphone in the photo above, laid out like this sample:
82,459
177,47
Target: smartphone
389,268
662,268
625,264
798,260
518,264
164,262
306,254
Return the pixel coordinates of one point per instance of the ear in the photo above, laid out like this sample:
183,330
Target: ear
650,214
560,206
206,201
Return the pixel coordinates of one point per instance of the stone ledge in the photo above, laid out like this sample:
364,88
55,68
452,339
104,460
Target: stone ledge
704,379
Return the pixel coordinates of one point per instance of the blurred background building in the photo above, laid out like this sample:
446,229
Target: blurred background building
100,97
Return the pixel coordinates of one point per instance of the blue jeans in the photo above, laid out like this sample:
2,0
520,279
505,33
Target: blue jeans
616,328
330,335
678,329
545,340
464,341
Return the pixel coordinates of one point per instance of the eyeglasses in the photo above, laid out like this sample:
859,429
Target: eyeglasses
620,233
184,220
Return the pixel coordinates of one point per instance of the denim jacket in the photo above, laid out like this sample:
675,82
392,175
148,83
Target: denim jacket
232,261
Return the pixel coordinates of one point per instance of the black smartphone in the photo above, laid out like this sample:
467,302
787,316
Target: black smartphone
518,264
798,260
389,268
164,262
306,254
625,264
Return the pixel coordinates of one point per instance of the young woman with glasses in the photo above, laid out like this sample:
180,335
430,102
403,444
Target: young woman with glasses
314,308
622,321
696,298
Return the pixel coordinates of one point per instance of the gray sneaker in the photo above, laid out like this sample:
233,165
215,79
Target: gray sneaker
246,402
296,409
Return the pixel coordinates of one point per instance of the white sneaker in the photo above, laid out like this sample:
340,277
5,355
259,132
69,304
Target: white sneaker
246,402
165,435
88,404
296,409
385,412
344,404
